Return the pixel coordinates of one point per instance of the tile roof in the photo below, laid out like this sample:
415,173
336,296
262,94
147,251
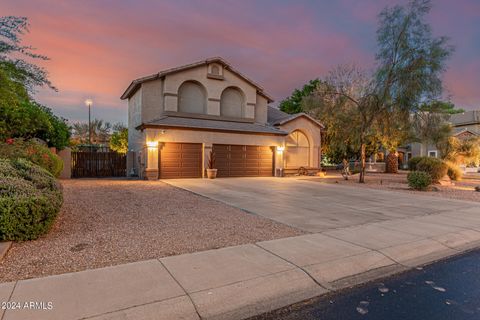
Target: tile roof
209,124
274,115
277,117
467,117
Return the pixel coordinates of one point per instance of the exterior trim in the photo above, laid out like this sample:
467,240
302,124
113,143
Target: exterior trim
251,104
465,131
215,76
214,99
293,117
170,94
162,126
206,117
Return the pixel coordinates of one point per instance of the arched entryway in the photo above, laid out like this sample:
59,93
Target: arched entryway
297,153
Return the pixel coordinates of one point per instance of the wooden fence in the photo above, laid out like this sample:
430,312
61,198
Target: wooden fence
98,164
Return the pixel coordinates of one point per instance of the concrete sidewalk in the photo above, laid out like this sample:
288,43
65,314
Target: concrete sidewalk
242,281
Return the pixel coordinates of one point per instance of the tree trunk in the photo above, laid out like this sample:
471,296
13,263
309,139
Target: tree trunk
362,163
391,163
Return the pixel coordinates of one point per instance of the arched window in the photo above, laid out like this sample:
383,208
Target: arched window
231,103
298,150
192,97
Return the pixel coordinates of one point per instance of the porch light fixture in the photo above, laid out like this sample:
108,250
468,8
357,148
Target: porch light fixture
280,148
152,144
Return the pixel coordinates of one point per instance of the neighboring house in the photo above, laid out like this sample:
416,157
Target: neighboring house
177,116
465,125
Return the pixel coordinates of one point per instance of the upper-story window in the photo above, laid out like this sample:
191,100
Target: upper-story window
232,103
192,97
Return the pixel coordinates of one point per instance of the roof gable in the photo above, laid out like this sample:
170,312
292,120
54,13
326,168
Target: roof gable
277,117
135,84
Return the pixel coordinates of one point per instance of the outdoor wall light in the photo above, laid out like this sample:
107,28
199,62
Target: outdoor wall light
152,144
280,148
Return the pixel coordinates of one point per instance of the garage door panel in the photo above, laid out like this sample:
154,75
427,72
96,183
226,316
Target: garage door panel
243,160
181,160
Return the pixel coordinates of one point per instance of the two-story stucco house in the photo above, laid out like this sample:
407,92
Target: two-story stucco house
177,116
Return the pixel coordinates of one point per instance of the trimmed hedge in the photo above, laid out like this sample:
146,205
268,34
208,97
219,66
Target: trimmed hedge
34,152
436,168
30,199
419,180
433,166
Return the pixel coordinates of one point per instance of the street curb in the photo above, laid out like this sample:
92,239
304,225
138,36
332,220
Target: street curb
4,247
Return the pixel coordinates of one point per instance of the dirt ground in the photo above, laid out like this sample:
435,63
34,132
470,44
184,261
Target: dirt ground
107,222
460,190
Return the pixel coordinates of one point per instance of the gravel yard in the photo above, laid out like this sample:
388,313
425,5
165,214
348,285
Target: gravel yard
460,190
108,222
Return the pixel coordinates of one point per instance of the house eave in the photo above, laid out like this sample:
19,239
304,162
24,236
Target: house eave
144,126
282,122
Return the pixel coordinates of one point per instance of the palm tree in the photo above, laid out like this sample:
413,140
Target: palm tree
100,132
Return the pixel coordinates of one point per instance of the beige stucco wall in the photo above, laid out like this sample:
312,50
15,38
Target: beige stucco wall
312,131
261,109
210,137
214,88
136,138
152,100
421,149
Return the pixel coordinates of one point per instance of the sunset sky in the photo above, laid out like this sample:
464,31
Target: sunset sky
98,47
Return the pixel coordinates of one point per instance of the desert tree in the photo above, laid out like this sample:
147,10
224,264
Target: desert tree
409,64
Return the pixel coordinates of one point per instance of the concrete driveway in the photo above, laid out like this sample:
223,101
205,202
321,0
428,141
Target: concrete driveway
314,206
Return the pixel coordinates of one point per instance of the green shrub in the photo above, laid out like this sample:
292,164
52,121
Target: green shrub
30,199
454,171
34,152
412,163
435,167
419,180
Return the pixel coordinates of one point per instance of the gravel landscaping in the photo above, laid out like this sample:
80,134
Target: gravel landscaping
108,222
460,190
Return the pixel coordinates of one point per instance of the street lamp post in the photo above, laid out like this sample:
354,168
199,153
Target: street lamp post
89,103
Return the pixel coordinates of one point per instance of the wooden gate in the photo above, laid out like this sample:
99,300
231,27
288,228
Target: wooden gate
98,164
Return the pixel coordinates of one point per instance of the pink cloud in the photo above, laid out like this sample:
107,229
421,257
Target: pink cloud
97,48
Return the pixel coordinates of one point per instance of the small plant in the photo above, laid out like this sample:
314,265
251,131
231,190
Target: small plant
419,180
436,168
211,170
454,171
211,160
